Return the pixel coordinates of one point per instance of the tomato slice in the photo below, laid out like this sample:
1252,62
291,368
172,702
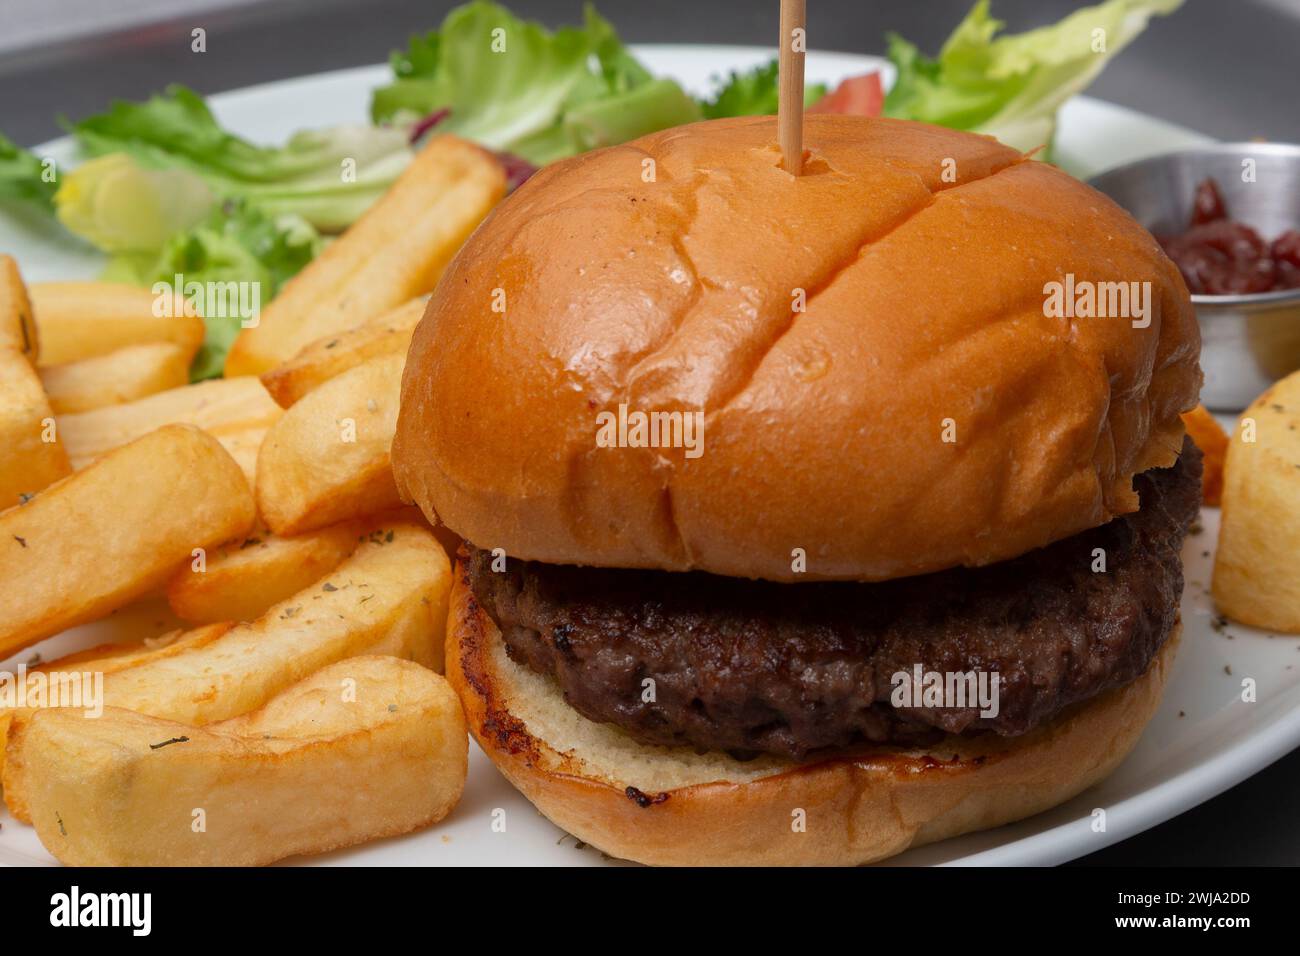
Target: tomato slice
857,96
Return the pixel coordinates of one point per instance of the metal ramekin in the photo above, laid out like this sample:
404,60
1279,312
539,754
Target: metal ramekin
1248,341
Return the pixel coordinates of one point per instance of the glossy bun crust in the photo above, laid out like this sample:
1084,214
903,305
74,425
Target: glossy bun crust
919,412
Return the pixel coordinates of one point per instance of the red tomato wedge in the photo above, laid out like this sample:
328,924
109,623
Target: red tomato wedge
857,96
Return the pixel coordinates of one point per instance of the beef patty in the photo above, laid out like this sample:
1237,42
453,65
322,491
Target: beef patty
754,667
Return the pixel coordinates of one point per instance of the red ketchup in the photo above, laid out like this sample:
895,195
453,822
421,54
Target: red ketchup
1218,256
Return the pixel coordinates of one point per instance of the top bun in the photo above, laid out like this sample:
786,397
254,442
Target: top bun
920,412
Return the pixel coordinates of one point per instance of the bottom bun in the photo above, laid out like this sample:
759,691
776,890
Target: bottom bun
672,806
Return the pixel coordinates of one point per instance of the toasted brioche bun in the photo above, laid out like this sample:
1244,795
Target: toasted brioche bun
661,274
672,806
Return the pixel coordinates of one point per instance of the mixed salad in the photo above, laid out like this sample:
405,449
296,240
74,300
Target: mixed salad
164,189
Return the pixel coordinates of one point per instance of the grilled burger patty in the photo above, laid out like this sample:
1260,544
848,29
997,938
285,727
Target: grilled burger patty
754,667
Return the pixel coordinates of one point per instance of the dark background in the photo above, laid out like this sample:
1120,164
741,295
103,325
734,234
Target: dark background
1229,68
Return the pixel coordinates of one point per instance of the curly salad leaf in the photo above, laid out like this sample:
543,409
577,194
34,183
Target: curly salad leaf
1011,86
516,87
23,175
754,92
328,176
235,243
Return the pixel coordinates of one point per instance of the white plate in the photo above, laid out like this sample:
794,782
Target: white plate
1203,740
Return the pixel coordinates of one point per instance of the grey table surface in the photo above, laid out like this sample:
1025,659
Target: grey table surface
1226,67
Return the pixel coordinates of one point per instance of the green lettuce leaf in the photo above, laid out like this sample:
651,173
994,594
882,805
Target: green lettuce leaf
515,86
1011,86
328,177
23,175
754,92
121,207
237,242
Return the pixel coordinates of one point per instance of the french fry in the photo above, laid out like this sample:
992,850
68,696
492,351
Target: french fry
244,578
393,253
243,443
384,599
108,658
17,327
79,320
223,407
389,598
109,534
1209,436
31,455
332,355
365,748
131,372
327,459
1255,580
28,462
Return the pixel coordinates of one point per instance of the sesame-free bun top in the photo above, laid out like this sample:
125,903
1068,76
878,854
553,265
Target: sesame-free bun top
881,391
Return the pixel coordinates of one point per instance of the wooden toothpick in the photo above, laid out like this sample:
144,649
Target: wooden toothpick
790,108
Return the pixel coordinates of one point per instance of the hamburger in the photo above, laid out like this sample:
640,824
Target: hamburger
742,460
